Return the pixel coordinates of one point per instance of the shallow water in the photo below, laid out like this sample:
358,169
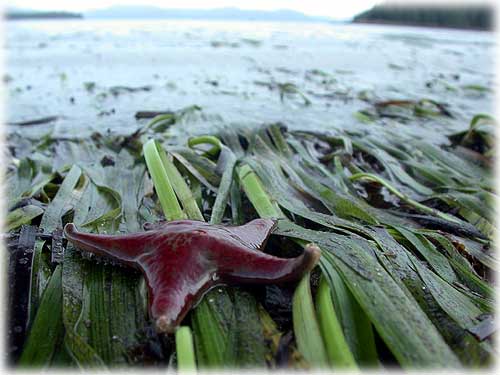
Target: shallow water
224,67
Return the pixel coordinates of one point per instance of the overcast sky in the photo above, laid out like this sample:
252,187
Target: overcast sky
328,8
337,9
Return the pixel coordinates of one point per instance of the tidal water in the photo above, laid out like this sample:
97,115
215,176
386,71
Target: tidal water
232,70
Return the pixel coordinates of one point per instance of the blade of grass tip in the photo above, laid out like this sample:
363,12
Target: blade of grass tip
180,186
403,197
47,326
473,124
168,200
165,119
337,349
210,139
306,327
185,350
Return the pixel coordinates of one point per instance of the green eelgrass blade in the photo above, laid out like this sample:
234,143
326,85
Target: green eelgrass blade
392,189
224,187
228,160
21,216
214,141
103,308
164,190
255,192
228,331
76,336
40,276
307,333
210,338
180,186
457,305
354,322
47,327
397,317
476,120
429,252
199,166
306,327
237,214
337,349
62,202
185,350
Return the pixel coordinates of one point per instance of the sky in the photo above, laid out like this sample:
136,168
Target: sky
336,9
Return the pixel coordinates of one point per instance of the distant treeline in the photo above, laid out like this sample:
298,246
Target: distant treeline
13,15
464,17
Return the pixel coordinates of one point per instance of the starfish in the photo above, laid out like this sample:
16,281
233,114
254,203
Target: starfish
182,259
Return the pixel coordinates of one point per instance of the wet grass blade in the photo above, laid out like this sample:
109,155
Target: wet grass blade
403,197
428,251
256,193
224,187
356,326
338,352
103,309
210,338
185,350
398,318
76,333
456,304
21,216
63,201
306,327
180,187
201,167
165,192
47,328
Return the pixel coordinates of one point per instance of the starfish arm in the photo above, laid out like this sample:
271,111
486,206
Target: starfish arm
254,233
175,284
125,248
250,266
166,225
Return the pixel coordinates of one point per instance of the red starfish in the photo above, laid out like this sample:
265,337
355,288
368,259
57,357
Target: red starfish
183,259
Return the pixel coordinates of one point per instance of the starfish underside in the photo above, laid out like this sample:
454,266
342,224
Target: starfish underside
182,259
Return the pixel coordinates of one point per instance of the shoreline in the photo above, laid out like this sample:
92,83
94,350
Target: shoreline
411,24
